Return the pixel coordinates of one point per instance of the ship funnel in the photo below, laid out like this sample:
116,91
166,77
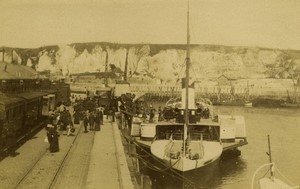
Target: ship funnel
191,94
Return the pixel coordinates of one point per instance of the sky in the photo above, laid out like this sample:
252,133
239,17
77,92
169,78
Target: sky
259,23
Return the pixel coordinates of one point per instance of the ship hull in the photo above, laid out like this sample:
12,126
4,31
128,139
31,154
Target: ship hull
210,153
204,177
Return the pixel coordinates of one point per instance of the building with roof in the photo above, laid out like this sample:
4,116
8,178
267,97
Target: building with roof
15,78
94,77
224,80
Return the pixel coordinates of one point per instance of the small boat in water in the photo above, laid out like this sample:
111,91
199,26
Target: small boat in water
270,182
290,105
248,104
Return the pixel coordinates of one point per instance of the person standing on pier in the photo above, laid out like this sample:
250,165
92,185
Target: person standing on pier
97,120
113,111
92,121
86,121
52,138
11,140
76,117
71,125
101,114
152,114
159,114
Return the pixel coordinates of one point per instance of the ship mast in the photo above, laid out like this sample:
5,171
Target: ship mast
126,65
270,159
106,68
187,75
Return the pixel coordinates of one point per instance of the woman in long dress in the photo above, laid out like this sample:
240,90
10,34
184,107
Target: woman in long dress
76,117
97,121
52,138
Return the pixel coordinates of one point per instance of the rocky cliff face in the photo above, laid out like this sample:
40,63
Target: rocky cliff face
163,62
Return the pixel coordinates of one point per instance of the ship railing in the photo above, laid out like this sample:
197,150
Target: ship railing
196,135
174,136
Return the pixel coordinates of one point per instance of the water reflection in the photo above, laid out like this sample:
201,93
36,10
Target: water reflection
229,168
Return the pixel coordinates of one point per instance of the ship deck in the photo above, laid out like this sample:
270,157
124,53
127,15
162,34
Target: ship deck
226,145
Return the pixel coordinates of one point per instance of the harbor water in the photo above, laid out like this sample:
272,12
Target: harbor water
235,172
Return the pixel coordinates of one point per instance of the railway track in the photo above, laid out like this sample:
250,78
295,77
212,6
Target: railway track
64,169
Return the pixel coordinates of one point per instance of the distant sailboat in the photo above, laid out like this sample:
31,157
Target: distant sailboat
187,144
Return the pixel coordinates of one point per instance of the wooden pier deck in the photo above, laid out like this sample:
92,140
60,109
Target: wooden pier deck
108,166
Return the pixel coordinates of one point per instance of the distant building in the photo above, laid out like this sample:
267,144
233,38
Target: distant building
224,80
94,77
15,78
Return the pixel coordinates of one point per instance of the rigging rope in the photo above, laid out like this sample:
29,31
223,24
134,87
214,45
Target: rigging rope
155,168
284,176
158,169
179,177
163,164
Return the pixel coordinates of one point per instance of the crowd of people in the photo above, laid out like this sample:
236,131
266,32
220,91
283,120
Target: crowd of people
91,113
93,119
61,120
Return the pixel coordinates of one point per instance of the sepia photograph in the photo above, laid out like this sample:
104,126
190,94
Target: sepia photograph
149,94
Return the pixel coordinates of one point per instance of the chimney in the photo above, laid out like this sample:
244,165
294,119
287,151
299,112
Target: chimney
12,56
191,94
3,51
126,65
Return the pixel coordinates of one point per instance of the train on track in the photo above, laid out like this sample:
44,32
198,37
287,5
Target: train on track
25,105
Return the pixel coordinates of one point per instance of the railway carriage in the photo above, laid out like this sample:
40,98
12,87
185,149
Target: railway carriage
23,113
26,97
11,118
20,115
33,106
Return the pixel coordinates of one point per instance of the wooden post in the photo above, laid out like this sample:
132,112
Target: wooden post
137,165
146,182
248,92
142,181
219,92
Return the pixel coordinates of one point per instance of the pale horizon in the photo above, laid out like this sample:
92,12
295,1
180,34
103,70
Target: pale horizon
256,23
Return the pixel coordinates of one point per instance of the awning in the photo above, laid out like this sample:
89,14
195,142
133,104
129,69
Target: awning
103,89
31,95
10,100
49,91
